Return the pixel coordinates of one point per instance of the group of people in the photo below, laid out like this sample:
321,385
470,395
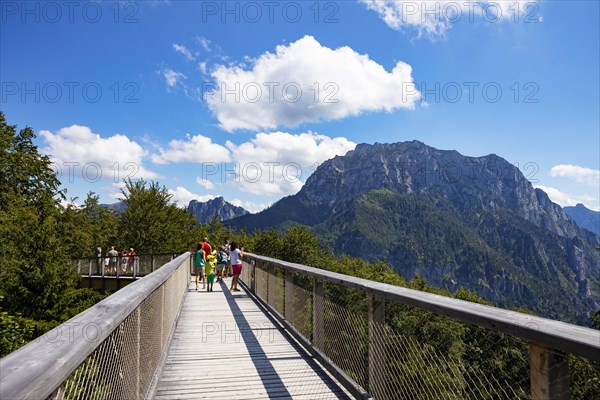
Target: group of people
211,263
123,259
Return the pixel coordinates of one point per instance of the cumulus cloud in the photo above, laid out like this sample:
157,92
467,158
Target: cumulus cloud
250,206
79,153
557,196
205,183
433,18
116,189
70,203
564,199
182,196
172,78
306,82
272,164
278,163
181,49
579,174
195,149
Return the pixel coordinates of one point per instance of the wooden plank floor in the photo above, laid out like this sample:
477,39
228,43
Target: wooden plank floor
226,347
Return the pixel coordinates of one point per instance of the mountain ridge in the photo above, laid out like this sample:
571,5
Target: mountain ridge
584,217
517,247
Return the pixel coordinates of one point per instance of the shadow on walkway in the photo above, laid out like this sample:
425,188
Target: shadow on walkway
259,357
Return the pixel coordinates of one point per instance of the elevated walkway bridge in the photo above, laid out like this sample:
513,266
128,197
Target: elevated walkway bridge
293,332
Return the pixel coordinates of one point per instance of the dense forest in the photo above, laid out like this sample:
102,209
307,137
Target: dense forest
39,235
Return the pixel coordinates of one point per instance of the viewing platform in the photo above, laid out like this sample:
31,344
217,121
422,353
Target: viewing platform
295,332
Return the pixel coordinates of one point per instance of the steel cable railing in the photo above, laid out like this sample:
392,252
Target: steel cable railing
113,350
388,342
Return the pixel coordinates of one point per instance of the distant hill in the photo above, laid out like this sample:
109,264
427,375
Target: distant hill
458,221
203,211
119,207
215,208
585,217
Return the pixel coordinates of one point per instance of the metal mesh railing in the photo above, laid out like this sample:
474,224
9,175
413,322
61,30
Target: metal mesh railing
391,347
120,341
126,266
424,356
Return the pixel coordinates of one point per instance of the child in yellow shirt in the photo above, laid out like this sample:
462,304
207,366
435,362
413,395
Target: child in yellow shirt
210,270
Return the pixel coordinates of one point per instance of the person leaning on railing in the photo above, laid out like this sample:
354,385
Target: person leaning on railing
132,259
113,260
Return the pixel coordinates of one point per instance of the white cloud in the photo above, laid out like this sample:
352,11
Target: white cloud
307,82
564,199
202,66
172,78
204,42
70,203
195,149
433,18
579,174
114,191
278,163
250,206
182,196
270,164
205,183
80,153
181,49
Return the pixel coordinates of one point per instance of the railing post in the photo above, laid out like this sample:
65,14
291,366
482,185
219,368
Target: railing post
318,322
253,276
90,273
549,371
377,375
271,285
288,308
152,262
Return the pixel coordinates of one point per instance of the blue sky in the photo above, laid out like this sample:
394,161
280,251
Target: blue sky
127,89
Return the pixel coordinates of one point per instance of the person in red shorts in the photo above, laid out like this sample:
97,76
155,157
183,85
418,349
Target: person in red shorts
236,265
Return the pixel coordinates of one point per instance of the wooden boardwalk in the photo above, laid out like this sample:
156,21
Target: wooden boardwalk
226,347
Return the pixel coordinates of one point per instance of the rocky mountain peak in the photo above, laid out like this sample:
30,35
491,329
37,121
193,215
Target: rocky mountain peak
471,184
215,208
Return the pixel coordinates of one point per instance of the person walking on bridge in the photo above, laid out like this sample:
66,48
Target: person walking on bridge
199,265
221,263
236,265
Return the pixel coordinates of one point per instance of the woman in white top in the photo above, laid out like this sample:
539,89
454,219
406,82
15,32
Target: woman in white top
236,265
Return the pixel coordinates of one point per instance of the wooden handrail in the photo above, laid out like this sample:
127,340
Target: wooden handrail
557,335
37,369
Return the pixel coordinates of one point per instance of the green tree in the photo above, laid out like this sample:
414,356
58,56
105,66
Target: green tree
34,273
151,223
37,283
